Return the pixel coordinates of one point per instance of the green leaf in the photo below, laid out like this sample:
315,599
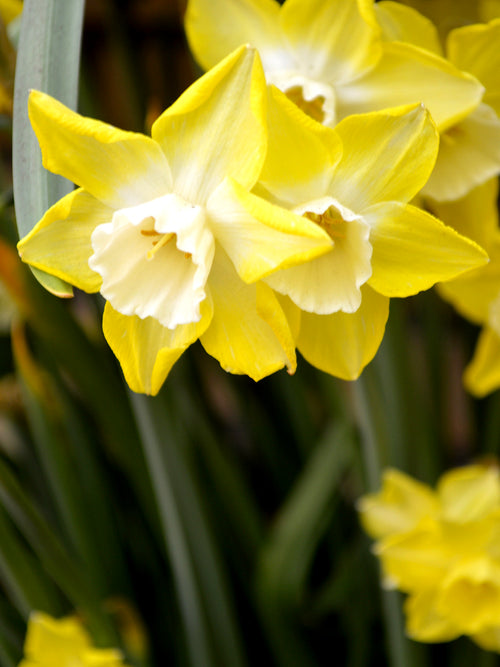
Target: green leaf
208,618
303,519
57,561
286,559
21,575
48,59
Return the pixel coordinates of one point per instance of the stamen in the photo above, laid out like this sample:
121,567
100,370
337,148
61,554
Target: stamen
157,245
329,220
149,220
313,108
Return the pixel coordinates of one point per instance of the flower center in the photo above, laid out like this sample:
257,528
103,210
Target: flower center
313,108
330,220
174,234
315,98
331,282
159,242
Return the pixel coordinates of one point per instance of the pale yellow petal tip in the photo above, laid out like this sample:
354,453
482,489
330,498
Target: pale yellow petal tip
37,98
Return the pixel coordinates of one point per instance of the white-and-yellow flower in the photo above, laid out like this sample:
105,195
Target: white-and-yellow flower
167,230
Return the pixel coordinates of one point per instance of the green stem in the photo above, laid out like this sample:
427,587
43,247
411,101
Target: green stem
366,404
191,606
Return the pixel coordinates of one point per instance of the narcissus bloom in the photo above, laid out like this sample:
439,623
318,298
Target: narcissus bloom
63,643
10,9
329,57
450,14
354,182
167,230
476,294
442,548
470,149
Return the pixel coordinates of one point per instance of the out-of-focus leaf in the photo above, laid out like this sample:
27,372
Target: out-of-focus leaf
208,618
56,432
20,573
286,559
304,517
48,59
86,364
56,560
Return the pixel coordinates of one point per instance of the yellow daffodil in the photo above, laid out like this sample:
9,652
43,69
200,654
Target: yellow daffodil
470,149
450,14
10,10
442,548
476,294
63,642
167,230
354,182
329,57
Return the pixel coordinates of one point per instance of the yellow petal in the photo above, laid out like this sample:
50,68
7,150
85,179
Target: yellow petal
482,375
488,639
260,237
424,623
343,343
64,641
387,155
238,336
118,168
333,41
398,506
475,215
470,594
412,250
217,128
469,493
270,310
474,48
469,155
246,21
52,639
60,243
301,153
147,350
472,293
415,560
404,24
407,74
10,9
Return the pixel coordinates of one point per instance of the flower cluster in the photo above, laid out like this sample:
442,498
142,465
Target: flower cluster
269,211
63,642
442,548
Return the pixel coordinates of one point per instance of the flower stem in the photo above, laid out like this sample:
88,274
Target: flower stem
368,416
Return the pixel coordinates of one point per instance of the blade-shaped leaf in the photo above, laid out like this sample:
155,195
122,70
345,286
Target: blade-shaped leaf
48,60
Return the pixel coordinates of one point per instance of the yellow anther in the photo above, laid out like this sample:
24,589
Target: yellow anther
157,245
313,108
329,220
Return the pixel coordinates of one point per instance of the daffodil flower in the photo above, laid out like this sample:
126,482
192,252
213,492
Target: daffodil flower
167,230
470,149
450,14
476,294
354,182
10,10
442,548
329,57
63,642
